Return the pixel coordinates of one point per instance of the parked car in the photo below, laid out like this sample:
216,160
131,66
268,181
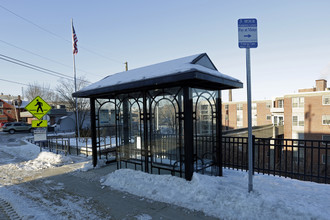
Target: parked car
13,127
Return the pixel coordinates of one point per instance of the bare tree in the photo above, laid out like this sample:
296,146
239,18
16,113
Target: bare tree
65,90
44,91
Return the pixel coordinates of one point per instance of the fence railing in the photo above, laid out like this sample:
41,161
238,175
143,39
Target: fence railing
307,160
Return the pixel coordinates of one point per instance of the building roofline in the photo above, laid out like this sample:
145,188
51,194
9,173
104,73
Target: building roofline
315,93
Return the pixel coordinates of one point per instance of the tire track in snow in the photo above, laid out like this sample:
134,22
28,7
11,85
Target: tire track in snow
7,211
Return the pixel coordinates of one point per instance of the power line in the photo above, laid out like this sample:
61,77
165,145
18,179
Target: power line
37,68
54,61
31,66
34,24
56,35
5,80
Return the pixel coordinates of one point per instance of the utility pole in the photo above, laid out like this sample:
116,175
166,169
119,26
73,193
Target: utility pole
126,66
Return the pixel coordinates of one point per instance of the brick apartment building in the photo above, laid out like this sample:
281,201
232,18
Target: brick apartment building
305,115
235,114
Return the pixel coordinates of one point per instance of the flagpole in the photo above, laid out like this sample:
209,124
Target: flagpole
75,88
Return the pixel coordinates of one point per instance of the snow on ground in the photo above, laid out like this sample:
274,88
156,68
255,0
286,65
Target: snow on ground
43,199
25,151
227,197
31,159
223,197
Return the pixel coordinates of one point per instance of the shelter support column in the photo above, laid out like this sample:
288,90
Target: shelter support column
145,131
219,134
188,133
93,128
126,128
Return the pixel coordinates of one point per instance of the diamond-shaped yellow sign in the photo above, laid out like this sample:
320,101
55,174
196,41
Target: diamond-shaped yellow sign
38,107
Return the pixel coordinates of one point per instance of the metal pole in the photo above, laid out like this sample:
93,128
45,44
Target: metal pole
75,84
250,150
76,102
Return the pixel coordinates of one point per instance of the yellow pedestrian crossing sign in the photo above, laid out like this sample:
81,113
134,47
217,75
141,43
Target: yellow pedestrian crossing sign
39,123
38,107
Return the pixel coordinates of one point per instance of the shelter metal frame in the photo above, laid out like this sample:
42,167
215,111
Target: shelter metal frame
187,139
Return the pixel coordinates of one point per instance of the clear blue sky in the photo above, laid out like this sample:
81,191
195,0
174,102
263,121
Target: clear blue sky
294,46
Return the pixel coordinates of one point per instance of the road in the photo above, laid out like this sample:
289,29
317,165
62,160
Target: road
64,193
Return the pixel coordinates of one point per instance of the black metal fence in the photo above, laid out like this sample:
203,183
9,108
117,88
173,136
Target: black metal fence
307,160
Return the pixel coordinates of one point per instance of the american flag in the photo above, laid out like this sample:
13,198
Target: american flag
74,41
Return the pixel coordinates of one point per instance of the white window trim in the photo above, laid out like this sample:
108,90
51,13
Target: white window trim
298,120
280,103
328,116
323,98
300,103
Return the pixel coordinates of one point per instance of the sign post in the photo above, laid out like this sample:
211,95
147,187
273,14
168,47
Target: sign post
248,38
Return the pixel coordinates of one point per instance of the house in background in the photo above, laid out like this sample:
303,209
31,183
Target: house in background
11,110
7,112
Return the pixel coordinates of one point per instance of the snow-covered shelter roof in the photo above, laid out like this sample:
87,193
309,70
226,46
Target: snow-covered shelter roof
196,71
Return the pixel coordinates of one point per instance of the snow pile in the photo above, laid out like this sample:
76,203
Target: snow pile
46,160
27,151
89,165
227,197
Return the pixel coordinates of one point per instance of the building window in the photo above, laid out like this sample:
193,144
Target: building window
268,117
205,117
226,107
324,159
280,121
326,100
280,103
297,121
326,139
298,102
1,104
204,109
239,106
254,106
325,119
268,104
294,120
1,112
9,111
239,122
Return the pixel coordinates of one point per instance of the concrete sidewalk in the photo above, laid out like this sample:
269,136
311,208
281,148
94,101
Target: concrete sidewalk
108,203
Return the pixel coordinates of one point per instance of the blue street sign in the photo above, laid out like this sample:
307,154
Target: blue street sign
247,33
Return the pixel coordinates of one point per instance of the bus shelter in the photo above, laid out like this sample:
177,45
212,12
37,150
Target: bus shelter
161,118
